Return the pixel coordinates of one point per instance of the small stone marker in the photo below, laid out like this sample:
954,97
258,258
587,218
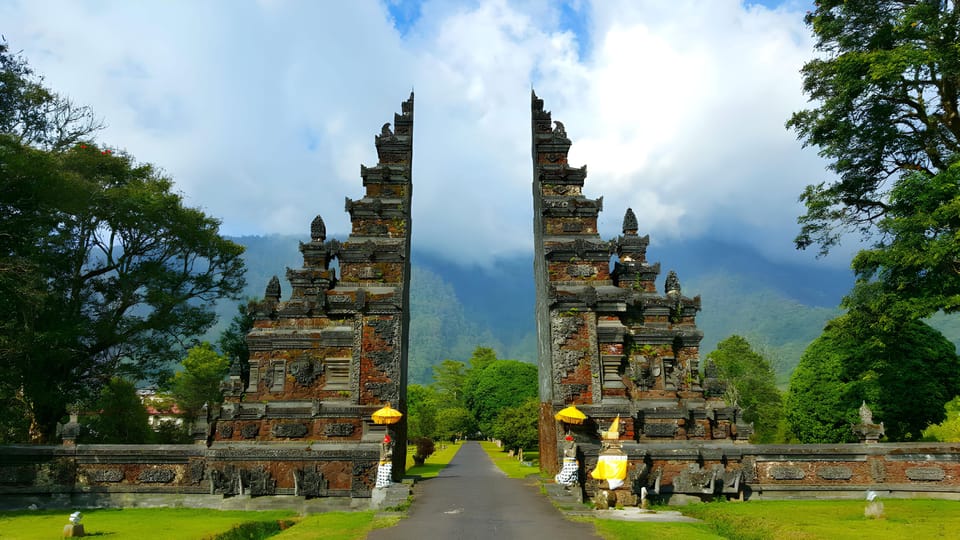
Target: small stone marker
74,529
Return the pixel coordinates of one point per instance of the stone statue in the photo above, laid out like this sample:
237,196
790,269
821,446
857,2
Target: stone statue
568,474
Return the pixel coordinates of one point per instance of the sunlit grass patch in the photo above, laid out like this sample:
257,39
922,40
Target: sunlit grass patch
435,462
904,518
509,464
334,526
136,523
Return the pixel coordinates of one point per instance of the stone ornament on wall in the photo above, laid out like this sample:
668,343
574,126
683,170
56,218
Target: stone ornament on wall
290,430
156,476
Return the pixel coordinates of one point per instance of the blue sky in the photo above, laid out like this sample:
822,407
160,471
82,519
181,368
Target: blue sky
263,110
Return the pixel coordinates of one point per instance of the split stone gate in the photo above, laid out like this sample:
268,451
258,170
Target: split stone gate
296,422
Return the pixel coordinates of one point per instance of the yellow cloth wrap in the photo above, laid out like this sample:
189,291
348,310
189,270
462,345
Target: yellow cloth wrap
611,468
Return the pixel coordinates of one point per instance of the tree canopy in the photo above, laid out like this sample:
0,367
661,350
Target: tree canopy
752,384
904,374
104,270
886,88
199,381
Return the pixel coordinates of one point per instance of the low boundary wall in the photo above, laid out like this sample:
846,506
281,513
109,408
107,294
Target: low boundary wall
758,472
222,476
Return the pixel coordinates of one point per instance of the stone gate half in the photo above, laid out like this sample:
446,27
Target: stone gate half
608,342
325,359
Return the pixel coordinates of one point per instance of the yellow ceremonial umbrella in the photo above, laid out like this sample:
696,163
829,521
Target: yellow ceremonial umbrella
387,415
571,415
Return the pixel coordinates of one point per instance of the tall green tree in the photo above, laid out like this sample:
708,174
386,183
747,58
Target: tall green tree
886,84
105,272
752,384
517,427
904,374
501,384
198,383
117,416
886,89
33,114
949,429
422,411
450,378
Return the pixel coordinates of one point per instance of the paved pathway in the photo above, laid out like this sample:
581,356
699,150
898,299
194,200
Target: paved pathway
472,499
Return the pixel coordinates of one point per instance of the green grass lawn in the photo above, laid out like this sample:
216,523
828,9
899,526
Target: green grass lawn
509,464
903,518
335,526
435,462
136,523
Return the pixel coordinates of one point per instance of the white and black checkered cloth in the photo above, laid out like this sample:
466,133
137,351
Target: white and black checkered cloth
384,473
568,473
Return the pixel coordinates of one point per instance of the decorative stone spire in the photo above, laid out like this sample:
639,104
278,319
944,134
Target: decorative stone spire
318,230
630,226
672,283
273,289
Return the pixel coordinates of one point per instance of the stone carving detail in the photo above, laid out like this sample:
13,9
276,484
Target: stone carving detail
697,430
292,431
260,482
697,479
196,471
310,483
362,481
877,471
318,230
581,270
383,391
570,391
660,429
926,474
230,480
567,361
835,473
672,283
382,360
338,430
226,431
569,227
249,431
786,472
306,370
386,329
105,475
156,476
563,328
225,481
630,222
272,291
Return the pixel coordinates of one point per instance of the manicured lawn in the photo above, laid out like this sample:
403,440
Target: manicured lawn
435,462
335,526
904,518
136,523
800,520
623,530
509,464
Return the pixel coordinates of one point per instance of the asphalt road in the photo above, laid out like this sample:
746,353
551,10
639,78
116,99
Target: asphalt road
472,499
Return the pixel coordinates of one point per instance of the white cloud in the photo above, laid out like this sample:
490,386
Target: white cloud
263,111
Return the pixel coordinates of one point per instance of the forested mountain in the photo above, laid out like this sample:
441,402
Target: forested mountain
779,307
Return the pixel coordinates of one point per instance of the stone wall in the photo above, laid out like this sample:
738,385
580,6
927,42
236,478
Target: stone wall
756,472
105,472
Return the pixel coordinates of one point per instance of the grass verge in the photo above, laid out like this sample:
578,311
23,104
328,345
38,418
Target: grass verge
509,464
336,526
138,523
903,518
435,463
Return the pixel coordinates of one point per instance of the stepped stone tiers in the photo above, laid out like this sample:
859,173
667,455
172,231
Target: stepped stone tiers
336,351
609,342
